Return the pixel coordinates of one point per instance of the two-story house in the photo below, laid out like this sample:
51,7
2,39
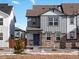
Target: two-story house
53,25
19,34
7,24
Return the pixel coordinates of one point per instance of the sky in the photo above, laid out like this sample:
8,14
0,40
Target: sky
20,7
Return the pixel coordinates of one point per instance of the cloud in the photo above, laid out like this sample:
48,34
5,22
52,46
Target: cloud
15,2
33,1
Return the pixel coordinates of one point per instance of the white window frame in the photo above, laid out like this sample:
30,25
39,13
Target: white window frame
1,21
50,21
71,20
53,20
17,34
72,35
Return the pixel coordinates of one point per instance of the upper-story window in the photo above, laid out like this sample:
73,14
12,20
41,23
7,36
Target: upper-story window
33,21
78,29
53,21
56,21
17,34
1,21
71,19
50,21
72,34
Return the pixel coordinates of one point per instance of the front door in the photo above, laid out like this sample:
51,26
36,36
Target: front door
36,39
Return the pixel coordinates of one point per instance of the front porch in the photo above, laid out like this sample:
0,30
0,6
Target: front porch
34,37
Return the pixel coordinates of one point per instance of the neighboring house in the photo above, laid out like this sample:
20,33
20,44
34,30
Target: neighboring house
7,24
19,33
53,25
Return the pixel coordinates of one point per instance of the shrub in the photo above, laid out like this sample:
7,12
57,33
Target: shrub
18,49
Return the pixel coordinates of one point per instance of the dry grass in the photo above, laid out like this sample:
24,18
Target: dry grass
40,57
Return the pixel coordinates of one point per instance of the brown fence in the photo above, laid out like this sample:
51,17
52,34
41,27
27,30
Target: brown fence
13,42
40,57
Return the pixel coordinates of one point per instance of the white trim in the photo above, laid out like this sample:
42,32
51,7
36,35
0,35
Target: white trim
4,13
50,12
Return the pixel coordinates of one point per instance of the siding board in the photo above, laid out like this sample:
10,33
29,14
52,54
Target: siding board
53,29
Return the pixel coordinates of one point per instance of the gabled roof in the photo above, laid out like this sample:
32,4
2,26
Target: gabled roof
66,8
35,12
70,8
18,29
5,8
40,9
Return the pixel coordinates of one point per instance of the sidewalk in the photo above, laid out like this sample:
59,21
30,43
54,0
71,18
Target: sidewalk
43,52
59,52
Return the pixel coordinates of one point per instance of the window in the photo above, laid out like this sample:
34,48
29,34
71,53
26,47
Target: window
34,21
1,21
71,19
48,35
17,34
1,36
48,38
50,21
58,35
78,29
72,34
53,21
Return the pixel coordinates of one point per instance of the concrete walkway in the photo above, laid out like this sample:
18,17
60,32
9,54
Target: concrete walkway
43,52
59,52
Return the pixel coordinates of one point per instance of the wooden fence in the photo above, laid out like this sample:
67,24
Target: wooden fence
13,42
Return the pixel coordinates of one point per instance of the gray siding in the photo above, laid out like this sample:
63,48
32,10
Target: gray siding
12,27
61,27
77,20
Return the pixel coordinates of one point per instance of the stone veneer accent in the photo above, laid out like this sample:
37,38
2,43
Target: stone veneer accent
77,44
63,43
68,45
48,43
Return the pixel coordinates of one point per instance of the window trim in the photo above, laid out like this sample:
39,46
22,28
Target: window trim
72,35
34,21
53,21
48,35
1,21
17,34
71,20
58,36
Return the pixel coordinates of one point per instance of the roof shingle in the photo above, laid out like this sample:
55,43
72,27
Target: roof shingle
66,8
5,8
71,8
39,9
